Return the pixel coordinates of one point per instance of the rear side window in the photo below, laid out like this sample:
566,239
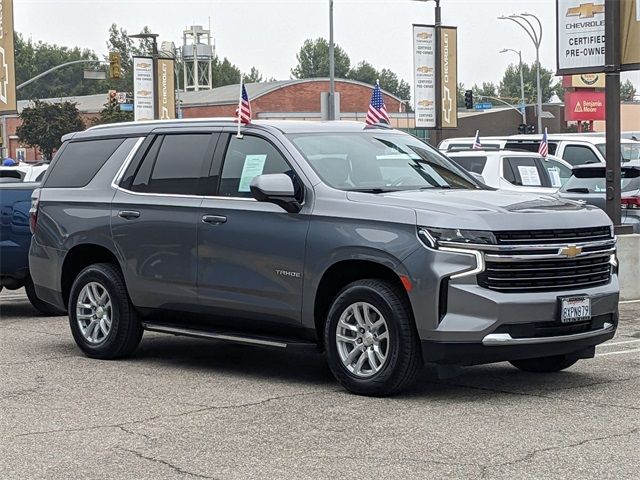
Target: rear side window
175,165
525,172
579,155
471,164
80,161
592,180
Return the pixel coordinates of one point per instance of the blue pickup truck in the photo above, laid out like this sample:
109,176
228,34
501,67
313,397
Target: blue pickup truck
15,237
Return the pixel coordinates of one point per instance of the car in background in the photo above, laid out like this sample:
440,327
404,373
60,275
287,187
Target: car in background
576,149
588,184
23,172
513,170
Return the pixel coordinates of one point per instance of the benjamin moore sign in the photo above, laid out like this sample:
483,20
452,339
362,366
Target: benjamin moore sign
143,89
166,89
7,66
424,65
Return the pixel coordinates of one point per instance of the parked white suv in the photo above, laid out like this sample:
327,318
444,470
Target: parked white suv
24,172
575,149
515,170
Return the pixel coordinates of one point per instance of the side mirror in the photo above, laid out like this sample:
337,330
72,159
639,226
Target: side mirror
275,188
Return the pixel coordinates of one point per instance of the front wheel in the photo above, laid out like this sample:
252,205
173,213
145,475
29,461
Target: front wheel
103,322
545,364
370,338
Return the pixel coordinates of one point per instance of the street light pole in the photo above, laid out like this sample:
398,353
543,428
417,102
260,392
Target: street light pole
332,67
519,52
536,37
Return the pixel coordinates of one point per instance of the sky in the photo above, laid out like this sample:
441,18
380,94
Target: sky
267,34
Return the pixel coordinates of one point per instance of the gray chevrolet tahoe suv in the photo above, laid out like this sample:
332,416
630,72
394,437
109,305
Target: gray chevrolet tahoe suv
361,241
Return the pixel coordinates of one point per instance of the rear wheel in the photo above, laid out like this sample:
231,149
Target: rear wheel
545,364
43,307
370,339
103,321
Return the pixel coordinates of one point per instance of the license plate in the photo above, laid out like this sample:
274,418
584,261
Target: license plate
575,309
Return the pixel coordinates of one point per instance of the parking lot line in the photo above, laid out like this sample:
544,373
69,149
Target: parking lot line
620,352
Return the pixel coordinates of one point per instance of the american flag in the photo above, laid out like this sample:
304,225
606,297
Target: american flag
543,149
476,143
377,111
243,112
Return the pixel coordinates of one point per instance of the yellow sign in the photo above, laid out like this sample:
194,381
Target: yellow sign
7,64
588,80
586,10
630,34
165,89
449,77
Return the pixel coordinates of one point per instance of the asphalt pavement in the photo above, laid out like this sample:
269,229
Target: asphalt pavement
187,409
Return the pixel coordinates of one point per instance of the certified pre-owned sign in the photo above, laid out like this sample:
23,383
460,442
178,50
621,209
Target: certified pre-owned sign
580,36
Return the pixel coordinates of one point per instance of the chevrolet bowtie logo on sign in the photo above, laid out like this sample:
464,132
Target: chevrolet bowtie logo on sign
586,10
571,251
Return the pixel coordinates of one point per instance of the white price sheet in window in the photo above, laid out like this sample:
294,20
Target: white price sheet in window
253,166
529,176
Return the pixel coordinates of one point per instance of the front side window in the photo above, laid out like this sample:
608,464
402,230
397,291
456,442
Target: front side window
558,172
629,151
174,165
378,162
245,159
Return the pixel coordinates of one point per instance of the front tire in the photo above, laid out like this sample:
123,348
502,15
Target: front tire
370,338
545,364
103,321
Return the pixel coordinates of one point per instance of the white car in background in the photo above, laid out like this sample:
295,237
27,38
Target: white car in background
23,172
576,149
515,170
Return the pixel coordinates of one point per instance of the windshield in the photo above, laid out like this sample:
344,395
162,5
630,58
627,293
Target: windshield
630,151
379,162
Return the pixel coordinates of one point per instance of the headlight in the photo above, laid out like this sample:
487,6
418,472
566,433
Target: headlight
433,237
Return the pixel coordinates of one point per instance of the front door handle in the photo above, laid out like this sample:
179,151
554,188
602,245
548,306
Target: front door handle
128,214
214,219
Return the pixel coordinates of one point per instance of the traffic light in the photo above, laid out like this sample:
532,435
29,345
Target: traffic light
522,128
115,66
113,99
468,99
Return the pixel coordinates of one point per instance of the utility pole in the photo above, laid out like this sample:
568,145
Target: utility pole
332,67
612,100
519,53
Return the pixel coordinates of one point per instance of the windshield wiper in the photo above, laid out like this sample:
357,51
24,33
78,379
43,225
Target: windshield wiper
373,190
446,187
577,190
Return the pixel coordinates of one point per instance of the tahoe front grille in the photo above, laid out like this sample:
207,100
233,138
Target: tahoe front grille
548,275
542,237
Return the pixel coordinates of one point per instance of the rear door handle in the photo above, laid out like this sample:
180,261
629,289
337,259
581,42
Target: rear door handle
214,219
128,214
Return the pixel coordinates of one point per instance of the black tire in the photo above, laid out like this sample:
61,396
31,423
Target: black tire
126,329
404,357
43,307
545,364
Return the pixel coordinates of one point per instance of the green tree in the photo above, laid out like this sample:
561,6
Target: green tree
510,84
627,91
254,76
225,73
44,124
120,42
364,72
367,73
313,60
488,89
112,114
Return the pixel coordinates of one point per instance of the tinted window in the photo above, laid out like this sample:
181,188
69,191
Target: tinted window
579,155
525,172
247,158
529,146
174,165
80,161
471,164
592,180
379,161
15,174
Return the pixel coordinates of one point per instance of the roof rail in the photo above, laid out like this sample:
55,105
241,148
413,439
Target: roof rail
161,122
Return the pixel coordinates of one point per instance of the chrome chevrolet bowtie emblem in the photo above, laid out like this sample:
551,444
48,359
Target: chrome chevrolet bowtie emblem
571,251
586,10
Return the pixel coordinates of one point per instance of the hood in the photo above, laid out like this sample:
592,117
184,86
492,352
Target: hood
489,210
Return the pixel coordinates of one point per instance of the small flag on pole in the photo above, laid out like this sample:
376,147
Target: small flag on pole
243,112
377,111
543,149
476,143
